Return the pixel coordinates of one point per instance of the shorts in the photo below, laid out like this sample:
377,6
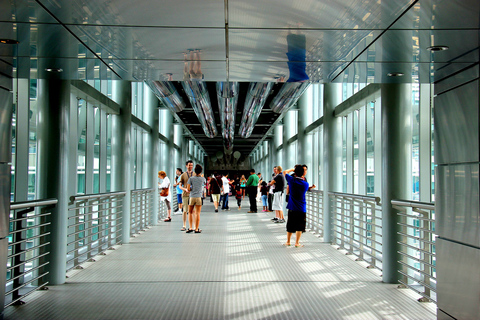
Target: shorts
296,221
195,202
179,198
265,200
277,203
185,199
216,197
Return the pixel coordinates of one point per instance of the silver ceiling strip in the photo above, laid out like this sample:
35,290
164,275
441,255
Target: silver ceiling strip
256,97
198,95
227,95
288,96
167,94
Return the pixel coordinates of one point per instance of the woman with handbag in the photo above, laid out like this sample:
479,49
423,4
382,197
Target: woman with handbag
165,195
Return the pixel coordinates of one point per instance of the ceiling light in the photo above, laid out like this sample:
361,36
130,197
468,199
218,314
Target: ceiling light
395,74
54,70
437,48
8,41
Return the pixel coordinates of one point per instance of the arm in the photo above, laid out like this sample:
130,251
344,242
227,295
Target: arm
288,171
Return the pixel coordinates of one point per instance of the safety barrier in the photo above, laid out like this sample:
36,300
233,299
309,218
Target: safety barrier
314,200
357,226
28,253
140,209
94,226
417,232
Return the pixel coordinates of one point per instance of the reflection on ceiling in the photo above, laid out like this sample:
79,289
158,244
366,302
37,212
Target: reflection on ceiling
218,57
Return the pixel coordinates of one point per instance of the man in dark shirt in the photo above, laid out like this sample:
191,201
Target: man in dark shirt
252,189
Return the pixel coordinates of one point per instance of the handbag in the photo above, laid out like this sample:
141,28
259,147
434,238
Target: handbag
164,192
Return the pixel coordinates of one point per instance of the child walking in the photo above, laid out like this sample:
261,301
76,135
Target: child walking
264,192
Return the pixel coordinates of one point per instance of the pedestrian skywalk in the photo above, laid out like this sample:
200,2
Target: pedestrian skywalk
237,268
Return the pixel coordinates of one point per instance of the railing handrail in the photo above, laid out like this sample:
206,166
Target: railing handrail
146,189
32,203
414,204
96,195
315,191
356,196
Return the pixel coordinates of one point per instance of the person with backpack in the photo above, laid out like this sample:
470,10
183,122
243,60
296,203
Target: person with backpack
215,190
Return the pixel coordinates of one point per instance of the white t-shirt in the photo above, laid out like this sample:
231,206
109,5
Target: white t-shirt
226,186
165,183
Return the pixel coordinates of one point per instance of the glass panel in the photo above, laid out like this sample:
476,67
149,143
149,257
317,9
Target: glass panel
370,149
355,115
109,152
96,151
82,145
344,153
14,147
32,141
415,142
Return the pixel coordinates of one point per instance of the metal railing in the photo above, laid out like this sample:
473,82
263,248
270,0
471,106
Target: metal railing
94,226
417,232
315,211
28,253
357,226
140,209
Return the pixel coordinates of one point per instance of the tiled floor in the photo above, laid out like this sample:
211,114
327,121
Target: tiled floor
236,268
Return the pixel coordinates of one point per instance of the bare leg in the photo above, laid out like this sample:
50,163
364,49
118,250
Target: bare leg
280,214
298,234
289,237
190,216
198,209
215,203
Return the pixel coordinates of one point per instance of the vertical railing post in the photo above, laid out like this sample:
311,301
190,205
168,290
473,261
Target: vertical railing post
19,249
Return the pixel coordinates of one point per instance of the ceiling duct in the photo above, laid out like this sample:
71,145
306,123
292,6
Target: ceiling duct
227,94
256,96
167,94
288,95
198,95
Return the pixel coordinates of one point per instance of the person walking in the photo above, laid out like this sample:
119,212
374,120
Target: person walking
277,205
264,191
243,185
179,191
225,192
165,195
252,188
196,186
297,205
186,193
216,190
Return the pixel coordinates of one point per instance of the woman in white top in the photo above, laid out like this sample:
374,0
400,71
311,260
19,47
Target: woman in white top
168,198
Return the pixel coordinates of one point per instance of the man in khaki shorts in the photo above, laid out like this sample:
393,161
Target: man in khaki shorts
186,194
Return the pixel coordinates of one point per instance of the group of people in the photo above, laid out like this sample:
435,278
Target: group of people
190,201
191,186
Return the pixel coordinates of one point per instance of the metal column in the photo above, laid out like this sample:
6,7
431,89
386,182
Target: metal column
332,152
53,164
396,168
121,178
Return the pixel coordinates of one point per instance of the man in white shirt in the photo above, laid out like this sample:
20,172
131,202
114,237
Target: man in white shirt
225,191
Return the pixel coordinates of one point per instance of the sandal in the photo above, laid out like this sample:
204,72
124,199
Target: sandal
183,229
198,231
189,230
287,244
167,220
299,246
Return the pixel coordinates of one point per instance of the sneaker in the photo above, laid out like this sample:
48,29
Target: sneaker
216,210
280,221
274,219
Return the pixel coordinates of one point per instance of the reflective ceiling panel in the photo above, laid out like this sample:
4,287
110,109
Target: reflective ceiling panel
345,41
340,14
155,43
182,13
